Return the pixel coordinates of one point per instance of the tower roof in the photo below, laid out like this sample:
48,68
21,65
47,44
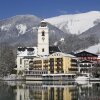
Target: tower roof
43,23
85,54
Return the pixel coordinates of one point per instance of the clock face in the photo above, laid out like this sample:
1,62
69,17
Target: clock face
43,38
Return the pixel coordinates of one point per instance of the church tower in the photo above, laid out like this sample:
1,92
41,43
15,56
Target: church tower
43,39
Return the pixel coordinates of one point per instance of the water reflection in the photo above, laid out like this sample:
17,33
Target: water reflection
49,91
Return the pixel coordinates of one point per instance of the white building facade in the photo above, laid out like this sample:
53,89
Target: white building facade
24,56
27,54
43,39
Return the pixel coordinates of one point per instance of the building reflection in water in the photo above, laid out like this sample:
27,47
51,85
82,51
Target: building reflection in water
50,91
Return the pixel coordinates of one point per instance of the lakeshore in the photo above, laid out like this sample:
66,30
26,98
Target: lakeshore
48,77
48,63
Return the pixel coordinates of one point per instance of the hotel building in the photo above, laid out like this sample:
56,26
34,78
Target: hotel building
44,59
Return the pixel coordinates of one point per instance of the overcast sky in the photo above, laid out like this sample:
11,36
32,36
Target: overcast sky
46,8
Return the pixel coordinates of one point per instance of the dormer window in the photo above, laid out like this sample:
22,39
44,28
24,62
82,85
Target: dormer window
43,33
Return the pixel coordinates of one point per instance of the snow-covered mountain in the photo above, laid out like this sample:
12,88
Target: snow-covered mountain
19,24
75,23
94,49
94,31
22,29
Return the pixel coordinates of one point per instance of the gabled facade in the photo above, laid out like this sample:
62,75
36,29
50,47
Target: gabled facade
86,61
62,63
85,67
84,55
56,63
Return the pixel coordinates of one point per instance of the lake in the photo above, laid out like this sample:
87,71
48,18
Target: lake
38,90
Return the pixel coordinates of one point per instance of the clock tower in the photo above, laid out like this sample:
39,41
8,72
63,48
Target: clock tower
43,39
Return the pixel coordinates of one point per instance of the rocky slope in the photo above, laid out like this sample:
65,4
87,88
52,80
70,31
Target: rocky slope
22,30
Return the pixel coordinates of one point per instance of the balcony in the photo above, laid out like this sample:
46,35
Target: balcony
60,71
73,60
73,69
45,61
45,66
51,59
74,65
58,59
51,69
36,72
59,65
85,65
37,62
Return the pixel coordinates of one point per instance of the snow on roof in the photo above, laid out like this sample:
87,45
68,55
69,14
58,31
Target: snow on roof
62,54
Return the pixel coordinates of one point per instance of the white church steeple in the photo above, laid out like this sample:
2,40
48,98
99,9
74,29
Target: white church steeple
43,39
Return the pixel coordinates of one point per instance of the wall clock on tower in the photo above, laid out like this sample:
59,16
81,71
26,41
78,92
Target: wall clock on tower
43,38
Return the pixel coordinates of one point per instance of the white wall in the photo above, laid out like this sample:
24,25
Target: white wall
43,43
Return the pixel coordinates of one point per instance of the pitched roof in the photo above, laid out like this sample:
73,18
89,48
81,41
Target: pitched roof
53,49
85,54
62,54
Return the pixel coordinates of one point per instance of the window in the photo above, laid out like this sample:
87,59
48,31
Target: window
20,61
43,33
43,50
20,97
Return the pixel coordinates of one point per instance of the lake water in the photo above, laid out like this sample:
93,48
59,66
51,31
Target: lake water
34,90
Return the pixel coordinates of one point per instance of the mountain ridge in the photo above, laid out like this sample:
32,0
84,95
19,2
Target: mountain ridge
21,30
16,29
75,23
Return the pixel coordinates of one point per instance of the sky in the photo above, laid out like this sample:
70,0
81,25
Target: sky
46,8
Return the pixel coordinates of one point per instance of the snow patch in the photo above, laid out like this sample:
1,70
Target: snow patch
21,28
56,43
34,29
5,27
62,39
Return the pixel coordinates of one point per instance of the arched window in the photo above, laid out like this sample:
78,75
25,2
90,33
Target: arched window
43,33
43,50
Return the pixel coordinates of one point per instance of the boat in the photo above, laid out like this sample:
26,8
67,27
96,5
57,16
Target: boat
12,77
83,77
